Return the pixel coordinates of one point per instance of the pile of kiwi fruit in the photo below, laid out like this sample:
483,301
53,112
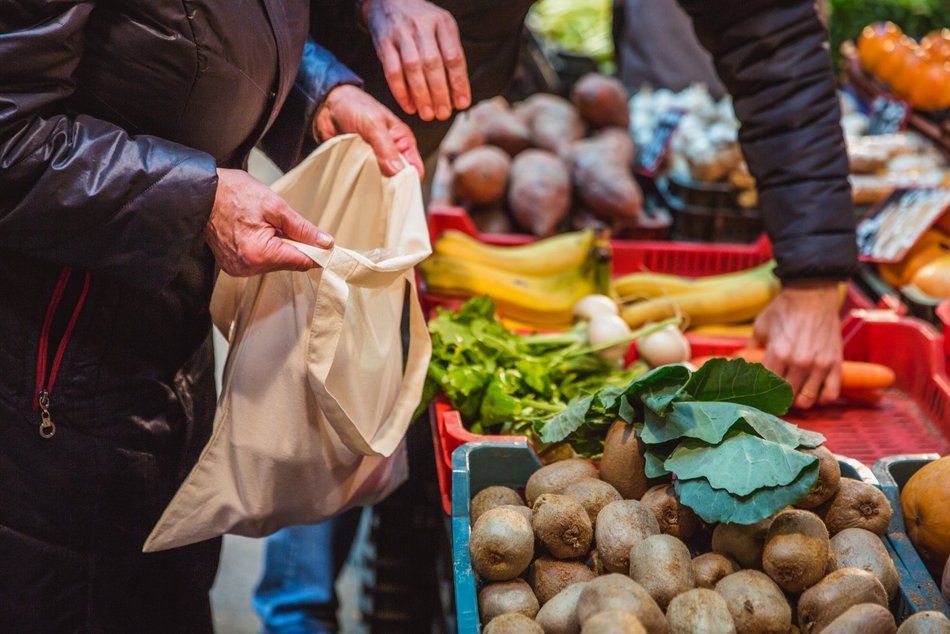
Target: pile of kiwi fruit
590,550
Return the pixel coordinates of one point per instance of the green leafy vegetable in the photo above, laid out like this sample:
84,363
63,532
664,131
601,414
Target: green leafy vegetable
737,381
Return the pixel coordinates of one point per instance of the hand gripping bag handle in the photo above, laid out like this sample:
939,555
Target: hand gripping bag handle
342,268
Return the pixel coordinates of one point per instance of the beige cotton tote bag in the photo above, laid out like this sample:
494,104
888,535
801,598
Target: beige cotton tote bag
315,398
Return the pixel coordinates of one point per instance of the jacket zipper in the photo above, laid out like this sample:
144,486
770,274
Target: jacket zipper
44,383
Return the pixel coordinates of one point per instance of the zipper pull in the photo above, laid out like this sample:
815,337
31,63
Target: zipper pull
47,427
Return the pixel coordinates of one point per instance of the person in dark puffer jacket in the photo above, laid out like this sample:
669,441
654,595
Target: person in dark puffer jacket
124,132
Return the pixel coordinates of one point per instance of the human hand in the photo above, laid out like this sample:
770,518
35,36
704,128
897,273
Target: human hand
247,223
421,52
349,109
801,332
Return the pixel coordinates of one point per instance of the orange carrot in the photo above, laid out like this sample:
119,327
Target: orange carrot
855,375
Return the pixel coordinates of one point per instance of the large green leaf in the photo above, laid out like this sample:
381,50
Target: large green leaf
737,381
657,388
705,421
717,505
740,464
653,458
567,421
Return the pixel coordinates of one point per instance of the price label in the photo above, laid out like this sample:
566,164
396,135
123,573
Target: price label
889,230
651,156
888,116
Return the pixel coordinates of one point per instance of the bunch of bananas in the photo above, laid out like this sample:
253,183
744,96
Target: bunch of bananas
534,286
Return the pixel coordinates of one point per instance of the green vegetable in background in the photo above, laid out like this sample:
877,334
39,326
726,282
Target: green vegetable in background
717,430
581,27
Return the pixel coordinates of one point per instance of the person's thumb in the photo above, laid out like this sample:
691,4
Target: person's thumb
295,227
280,256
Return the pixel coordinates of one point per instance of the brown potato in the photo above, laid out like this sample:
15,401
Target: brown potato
601,101
540,192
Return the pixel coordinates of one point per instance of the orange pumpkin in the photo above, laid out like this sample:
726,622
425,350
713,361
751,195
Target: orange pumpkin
925,501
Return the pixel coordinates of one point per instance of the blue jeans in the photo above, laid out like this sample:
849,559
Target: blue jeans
296,593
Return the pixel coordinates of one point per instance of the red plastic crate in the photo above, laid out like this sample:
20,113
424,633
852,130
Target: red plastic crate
913,416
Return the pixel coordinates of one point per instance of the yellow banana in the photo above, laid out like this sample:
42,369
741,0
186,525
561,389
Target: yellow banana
543,257
646,285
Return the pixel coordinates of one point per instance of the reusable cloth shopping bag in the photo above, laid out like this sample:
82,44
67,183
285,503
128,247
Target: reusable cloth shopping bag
315,398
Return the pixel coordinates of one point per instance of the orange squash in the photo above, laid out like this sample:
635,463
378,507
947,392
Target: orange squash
925,501
933,278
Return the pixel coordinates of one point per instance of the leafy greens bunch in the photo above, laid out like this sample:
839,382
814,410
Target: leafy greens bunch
504,382
717,430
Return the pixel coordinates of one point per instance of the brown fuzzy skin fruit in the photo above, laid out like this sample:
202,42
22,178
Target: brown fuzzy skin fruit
864,618
506,597
481,175
929,622
559,614
539,193
744,543
699,610
674,518
615,591
501,544
662,565
710,568
756,603
490,497
553,478
593,495
796,550
613,622
561,524
832,596
829,475
601,101
512,624
856,504
619,526
549,577
622,463
520,509
859,548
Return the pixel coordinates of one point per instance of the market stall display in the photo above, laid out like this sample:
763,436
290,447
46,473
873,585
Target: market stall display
651,583
916,71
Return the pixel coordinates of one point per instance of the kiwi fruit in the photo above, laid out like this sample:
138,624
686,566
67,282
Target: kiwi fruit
662,565
856,504
491,497
615,591
709,568
699,610
744,543
521,509
756,603
674,518
561,525
549,577
559,614
864,618
796,550
619,526
553,478
513,623
829,474
593,495
501,544
860,548
594,562
928,622
506,597
613,622
832,596
621,465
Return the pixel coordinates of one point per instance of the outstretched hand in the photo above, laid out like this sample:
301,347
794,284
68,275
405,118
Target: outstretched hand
801,332
349,109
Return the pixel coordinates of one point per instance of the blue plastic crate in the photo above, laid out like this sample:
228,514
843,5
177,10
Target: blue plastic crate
893,473
478,465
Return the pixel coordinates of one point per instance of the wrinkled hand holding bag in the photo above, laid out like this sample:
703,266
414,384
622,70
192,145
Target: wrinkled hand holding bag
315,399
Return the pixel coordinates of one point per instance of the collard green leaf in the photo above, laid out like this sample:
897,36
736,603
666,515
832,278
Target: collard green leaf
738,381
809,439
718,505
740,464
653,458
706,421
658,387
569,420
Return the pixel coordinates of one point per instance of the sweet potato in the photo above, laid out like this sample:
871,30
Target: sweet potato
461,137
540,192
492,220
553,122
603,179
601,101
481,175
500,126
